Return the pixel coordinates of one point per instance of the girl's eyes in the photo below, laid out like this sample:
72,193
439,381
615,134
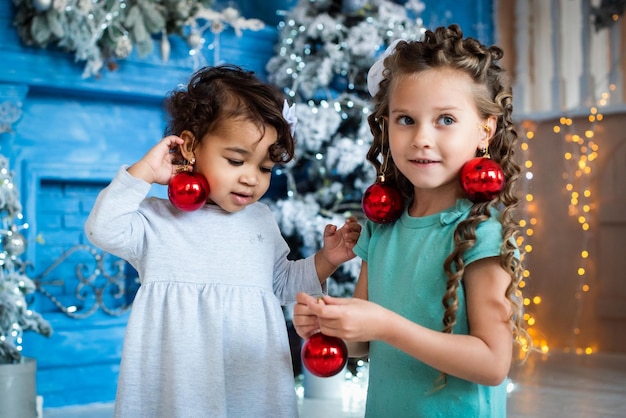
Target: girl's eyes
235,163
239,163
445,120
405,120
442,120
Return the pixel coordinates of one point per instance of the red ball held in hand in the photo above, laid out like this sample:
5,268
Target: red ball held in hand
323,355
482,179
382,203
188,190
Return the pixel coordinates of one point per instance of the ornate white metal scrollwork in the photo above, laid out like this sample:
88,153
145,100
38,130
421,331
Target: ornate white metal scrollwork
101,281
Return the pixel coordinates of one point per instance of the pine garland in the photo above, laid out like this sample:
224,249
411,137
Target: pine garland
104,31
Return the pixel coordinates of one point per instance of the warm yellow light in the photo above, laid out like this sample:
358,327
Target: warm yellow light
522,284
568,156
581,271
569,187
526,301
524,146
585,227
545,349
579,350
593,110
556,129
528,248
581,219
592,118
563,120
528,164
587,193
537,300
533,221
530,134
586,208
587,170
522,222
526,316
588,134
531,321
599,117
526,273
529,197
584,254
571,210
588,350
585,288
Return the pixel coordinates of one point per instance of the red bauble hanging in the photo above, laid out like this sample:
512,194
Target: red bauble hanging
323,355
482,179
188,190
382,203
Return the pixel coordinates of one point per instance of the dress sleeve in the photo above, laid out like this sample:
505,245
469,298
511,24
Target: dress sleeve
114,223
361,249
488,241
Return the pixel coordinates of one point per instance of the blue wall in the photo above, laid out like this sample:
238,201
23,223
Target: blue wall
72,136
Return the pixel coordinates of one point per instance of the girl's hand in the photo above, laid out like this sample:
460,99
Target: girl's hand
338,243
304,321
351,319
156,166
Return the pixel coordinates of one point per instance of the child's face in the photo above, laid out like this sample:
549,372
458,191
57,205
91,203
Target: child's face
236,162
434,128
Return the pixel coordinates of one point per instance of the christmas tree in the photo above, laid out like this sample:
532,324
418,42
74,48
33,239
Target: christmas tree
15,285
324,52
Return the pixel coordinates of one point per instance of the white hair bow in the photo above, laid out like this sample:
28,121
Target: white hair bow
289,113
375,73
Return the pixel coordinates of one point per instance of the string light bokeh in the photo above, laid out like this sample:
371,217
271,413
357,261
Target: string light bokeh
580,153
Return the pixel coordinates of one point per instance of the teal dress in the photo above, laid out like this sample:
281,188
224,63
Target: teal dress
405,265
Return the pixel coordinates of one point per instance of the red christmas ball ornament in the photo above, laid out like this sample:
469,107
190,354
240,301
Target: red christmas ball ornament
382,203
323,355
188,190
482,179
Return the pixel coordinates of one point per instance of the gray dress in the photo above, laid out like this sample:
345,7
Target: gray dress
206,336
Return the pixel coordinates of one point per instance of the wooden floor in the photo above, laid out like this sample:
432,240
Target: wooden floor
559,385
569,385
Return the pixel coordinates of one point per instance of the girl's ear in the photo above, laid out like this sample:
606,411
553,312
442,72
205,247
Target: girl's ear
187,148
491,124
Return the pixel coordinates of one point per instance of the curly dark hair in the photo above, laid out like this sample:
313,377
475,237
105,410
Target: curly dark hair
227,91
447,48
